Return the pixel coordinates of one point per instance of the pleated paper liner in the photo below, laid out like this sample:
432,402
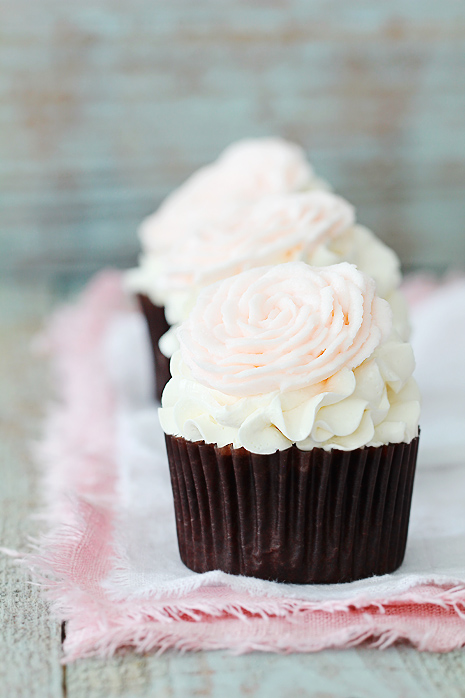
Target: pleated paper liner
157,324
294,516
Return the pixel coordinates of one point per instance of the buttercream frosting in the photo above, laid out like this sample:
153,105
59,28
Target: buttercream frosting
316,227
245,172
292,354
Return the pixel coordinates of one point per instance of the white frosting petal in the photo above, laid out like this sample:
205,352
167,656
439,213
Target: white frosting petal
273,422
360,247
142,279
396,363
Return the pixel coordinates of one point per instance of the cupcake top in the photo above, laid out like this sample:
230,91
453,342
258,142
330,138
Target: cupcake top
245,172
292,354
212,199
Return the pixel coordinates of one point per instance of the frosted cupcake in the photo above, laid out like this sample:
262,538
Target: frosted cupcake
211,199
292,427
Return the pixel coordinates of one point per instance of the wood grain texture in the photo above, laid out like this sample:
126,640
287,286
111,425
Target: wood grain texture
357,673
30,641
105,106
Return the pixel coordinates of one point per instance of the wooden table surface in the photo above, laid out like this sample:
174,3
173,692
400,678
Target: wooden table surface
106,105
30,642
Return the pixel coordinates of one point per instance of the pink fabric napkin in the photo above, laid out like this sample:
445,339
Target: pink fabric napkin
110,561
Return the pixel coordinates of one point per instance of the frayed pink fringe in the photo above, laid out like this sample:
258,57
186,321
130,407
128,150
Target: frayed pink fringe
74,558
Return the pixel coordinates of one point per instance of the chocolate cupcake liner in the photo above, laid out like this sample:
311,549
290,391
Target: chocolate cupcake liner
157,324
294,516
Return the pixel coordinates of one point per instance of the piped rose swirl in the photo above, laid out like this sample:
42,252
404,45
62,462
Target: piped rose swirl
291,354
245,172
273,231
282,328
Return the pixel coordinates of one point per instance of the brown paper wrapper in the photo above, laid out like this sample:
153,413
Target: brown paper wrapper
294,516
157,324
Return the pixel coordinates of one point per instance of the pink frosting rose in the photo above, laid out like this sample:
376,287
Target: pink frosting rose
266,166
283,328
275,230
244,172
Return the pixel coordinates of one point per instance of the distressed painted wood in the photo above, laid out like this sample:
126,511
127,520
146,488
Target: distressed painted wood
30,647
105,106
30,641
332,674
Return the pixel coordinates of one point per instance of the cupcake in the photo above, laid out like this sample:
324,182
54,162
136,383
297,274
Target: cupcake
291,424
212,197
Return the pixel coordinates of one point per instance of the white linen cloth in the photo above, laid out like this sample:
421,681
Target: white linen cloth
147,561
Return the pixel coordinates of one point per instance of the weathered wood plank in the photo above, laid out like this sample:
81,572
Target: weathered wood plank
30,641
331,674
230,16
105,106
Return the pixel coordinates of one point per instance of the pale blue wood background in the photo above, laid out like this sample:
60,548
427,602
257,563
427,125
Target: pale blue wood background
107,104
